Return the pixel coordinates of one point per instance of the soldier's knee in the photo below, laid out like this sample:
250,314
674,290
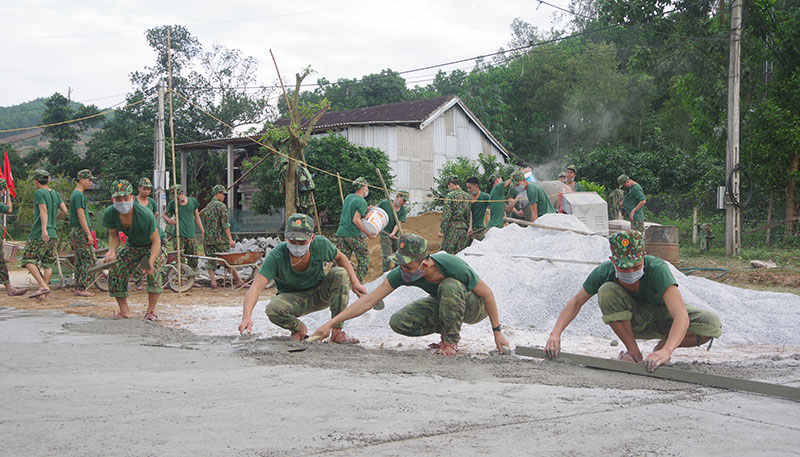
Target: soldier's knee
450,287
399,324
613,298
339,274
276,309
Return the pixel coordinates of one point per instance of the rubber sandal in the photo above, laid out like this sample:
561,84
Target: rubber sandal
83,293
626,356
39,293
151,317
447,349
17,292
347,339
435,345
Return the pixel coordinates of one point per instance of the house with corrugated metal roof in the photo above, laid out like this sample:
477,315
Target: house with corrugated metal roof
419,136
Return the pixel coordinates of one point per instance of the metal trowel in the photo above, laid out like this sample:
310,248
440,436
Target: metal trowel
246,337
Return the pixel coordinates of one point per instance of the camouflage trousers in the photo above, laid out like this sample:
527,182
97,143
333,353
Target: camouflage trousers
189,247
388,247
444,314
477,234
130,260
638,226
3,271
355,245
455,239
84,257
138,274
651,322
333,292
40,253
210,250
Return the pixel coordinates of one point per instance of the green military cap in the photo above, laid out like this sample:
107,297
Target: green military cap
518,176
145,182
627,248
572,167
453,179
177,188
121,188
563,174
299,227
359,182
404,195
40,175
85,174
3,184
622,179
218,189
411,247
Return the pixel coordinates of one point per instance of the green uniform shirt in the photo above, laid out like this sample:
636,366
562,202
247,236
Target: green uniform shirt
278,266
52,199
4,208
186,216
632,198
655,281
449,265
142,226
497,208
538,196
386,206
151,205
478,208
77,201
352,203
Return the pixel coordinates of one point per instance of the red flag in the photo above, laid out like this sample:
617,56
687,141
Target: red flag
9,179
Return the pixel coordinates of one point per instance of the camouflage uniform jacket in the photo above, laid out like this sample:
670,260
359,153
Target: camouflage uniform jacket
215,221
456,212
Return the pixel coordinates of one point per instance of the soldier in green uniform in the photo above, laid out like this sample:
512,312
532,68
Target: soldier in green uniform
296,265
634,202
143,198
497,207
537,198
456,296
218,233
142,250
6,207
349,238
81,235
480,202
40,249
562,177
570,181
639,299
388,234
456,218
189,215
518,207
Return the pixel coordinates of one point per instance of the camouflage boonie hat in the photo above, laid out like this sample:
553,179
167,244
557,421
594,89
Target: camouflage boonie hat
3,184
404,195
563,174
299,227
627,248
121,188
572,167
40,175
411,247
518,176
85,174
453,179
176,187
145,182
359,182
218,189
622,179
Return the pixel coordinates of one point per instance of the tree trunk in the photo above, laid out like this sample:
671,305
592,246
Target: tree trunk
290,205
770,209
791,193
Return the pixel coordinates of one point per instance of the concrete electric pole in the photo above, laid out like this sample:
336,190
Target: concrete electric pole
733,213
160,160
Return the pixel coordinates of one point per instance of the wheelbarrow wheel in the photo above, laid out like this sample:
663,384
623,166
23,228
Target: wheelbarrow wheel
101,280
187,278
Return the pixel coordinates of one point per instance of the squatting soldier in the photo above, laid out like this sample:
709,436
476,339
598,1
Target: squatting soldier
634,202
81,236
218,232
456,295
537,197
189,214
388,238
40,249
6,209
639,299
297,266
143,244
480,202
456,218
348,235
497,208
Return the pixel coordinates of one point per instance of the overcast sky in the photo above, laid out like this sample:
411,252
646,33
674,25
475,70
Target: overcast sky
92,46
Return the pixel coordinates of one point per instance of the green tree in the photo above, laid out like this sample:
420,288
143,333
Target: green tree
463,168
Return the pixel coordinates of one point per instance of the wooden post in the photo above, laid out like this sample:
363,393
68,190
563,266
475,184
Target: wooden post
733,214
694,225
341,194
769,215
174,177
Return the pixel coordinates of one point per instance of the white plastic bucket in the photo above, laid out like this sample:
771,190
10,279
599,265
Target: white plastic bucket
375,220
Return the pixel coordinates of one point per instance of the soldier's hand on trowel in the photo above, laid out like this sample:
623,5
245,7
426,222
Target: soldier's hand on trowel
246,325
322,333
501,342
656,359
552,347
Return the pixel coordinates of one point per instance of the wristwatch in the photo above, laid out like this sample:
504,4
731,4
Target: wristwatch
497,329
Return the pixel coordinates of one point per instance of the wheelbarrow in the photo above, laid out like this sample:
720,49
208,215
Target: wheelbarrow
247,259
169,273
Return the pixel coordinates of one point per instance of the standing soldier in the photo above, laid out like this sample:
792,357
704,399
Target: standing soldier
189,215
143,198
41,247
497,207
81,236
6,209
218,233
571,182
456,218
143,243
348,235
388,238
634,202
537,198
480,201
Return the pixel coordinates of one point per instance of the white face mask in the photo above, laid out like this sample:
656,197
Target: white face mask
123,207
632,277
366,193
298,250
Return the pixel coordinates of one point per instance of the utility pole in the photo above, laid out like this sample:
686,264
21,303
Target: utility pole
160,160
733,213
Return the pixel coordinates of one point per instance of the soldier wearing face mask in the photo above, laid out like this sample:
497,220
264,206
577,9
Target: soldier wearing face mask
351,232
456,296
478,207
296,265
639,299
142,250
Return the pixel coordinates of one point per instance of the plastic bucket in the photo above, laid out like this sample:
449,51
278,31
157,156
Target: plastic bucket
375,220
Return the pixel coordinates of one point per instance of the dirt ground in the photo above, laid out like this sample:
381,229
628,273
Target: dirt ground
426,225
